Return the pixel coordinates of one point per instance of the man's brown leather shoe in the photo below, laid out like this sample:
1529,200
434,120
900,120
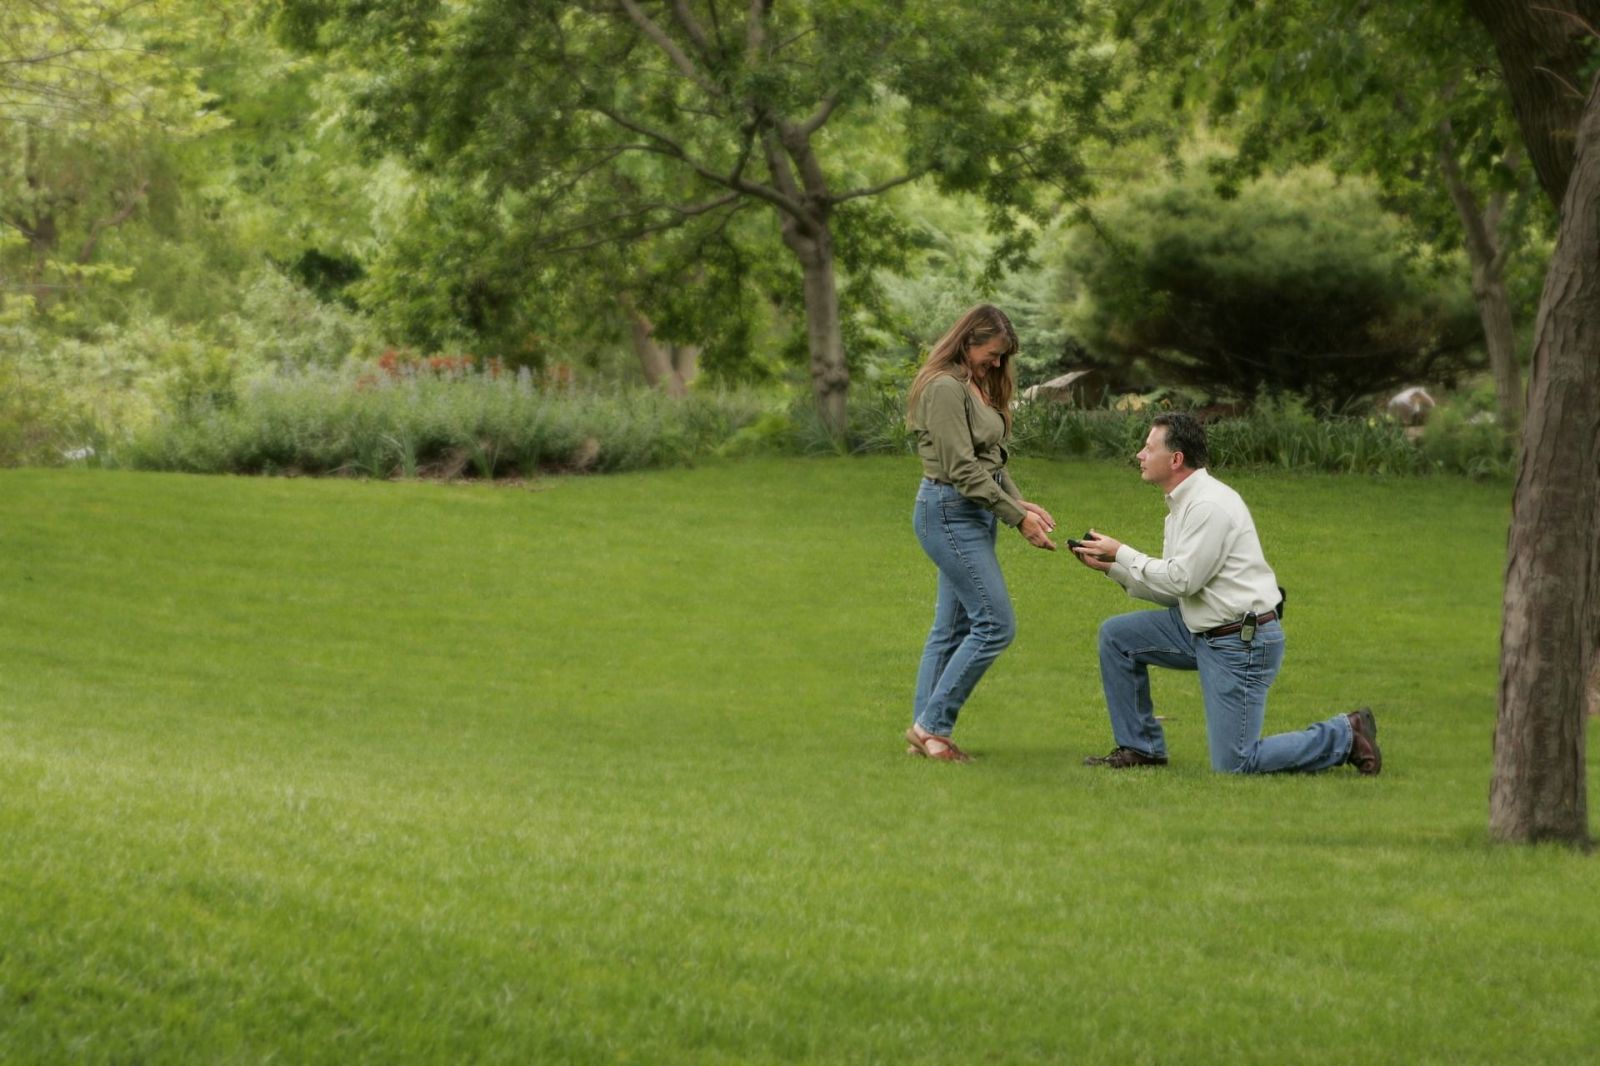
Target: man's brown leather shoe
1123,758
1365,755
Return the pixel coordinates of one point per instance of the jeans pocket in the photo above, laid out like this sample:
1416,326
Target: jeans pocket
1231,649
957,508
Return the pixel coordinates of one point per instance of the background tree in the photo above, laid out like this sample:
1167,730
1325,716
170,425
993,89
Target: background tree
467,267
1404,93
88,100
166,209
1551,620
762,103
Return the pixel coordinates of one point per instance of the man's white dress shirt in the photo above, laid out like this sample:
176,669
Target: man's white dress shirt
1211,565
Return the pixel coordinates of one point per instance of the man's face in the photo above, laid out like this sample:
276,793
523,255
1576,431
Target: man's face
1157,462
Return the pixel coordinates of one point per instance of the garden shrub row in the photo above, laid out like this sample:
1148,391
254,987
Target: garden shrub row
465,426
477,425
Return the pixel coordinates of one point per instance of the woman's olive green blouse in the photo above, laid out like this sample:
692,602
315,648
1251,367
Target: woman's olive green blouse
961,440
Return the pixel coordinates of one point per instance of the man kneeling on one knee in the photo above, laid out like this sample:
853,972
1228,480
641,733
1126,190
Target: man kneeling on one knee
1221,619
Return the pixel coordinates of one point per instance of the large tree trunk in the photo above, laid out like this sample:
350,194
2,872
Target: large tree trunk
1500,337
657,362
798,173
812,243
686,362
1499,332
1551,620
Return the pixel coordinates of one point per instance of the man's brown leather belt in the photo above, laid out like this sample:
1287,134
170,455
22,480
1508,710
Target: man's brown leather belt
1234,627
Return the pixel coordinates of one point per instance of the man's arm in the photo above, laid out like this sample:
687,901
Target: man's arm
1094,553
1138,589
1195,557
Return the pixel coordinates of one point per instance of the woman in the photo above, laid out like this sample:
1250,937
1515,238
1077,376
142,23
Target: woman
960,409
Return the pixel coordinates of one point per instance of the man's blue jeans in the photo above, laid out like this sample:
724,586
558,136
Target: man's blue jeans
972,619
1234,678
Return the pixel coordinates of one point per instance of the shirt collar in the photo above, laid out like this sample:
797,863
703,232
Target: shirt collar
1188,487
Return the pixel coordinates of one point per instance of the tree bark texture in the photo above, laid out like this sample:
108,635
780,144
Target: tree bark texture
1551,618
1542,48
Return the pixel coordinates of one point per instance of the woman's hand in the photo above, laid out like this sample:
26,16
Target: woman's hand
1049,523
1035,531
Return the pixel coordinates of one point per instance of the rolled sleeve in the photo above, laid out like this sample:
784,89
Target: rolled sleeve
1136,588
1010,487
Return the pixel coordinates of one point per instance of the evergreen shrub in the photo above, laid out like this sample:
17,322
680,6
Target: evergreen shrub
1302,284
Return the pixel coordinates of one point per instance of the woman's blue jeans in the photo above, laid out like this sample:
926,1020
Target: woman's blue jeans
972,619
1234,678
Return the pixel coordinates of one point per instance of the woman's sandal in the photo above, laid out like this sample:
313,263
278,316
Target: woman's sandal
947,752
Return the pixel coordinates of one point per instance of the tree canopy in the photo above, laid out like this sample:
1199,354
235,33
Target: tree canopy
599,122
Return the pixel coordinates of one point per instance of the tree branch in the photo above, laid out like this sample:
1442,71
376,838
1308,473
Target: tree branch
1479,241
126,212
684,213
882,186
1588,26
697,35
20,226
672,148
744,153
798,37
1576,93
565,181
821,115
716,27
1511,161
648,27
778,167
798,145
755,31
46,57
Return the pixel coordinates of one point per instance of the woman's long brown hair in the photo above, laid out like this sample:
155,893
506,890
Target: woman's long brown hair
977,327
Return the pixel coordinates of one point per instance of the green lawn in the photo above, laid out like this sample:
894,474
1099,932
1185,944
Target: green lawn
609,770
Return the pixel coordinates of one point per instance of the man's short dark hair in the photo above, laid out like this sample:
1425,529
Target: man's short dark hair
1185,434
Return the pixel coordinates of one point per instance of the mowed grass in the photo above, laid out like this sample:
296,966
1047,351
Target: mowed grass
609,770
